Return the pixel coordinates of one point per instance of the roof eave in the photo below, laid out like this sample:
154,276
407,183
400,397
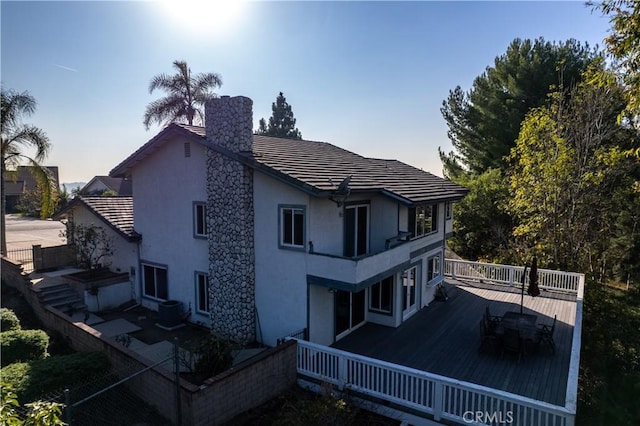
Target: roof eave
123,169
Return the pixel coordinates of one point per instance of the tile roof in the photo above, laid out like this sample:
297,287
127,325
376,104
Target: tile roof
117,212
319,167
119,185
323,166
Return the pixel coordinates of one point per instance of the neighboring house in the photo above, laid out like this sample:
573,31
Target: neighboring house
115,216
260,237
20,181
99,184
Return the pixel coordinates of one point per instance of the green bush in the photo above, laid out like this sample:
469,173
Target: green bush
41,377
213,356
8,320
23,345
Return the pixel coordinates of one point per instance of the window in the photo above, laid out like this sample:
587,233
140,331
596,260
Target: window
199,220
356,229
423,220
154,279
292,227
448,210
433,268
381,296
202,293
409,285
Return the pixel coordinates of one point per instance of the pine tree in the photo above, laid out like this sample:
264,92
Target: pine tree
282,123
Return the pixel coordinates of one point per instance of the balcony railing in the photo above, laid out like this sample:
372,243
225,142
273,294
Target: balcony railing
548,279
431,395
356,270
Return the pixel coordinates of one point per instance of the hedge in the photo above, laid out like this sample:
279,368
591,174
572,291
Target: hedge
23,345
42,377
8,320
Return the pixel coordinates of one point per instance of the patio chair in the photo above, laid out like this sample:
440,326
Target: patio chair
512,343
491,321
488,341
544,335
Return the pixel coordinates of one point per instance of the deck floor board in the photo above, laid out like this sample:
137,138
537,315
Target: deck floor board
444,338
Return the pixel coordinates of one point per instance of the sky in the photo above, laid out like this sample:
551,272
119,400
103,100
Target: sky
369,77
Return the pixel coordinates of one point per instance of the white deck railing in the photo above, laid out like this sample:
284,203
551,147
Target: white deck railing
438,397
548,279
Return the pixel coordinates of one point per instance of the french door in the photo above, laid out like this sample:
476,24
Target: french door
409,292
349,311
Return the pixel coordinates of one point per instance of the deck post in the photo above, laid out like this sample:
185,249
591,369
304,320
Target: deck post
437,400
342,372
511,272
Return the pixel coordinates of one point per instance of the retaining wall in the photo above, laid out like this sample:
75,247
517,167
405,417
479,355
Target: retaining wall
218,400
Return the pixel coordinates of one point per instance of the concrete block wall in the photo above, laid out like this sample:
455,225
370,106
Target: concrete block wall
218,400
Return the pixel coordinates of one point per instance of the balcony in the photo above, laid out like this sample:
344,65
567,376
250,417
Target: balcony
355,273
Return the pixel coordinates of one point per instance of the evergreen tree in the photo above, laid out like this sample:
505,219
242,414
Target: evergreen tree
282,124
484,122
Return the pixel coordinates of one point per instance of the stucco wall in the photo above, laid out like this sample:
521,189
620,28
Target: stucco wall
281,286
125,253
165,186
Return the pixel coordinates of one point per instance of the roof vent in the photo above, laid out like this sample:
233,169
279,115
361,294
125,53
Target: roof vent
187,149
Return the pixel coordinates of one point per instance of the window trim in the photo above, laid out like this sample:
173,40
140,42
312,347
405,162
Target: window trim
281,243
391,291
154,265
197,275
196,205
431,280
413,224
356,205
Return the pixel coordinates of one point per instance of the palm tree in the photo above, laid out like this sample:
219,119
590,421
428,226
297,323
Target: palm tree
186,96
16,136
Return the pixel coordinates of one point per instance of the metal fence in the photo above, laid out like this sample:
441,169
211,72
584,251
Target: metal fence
109,401
24,256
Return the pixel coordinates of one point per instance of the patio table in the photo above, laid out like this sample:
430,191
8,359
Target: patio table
524,323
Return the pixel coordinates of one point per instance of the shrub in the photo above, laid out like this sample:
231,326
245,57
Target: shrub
41,377
23,345
213,356
8,320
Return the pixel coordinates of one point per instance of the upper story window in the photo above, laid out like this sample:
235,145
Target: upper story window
423,220
448,210
154,281
356,229
292,227
199,220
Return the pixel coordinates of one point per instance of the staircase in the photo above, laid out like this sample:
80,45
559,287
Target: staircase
63,298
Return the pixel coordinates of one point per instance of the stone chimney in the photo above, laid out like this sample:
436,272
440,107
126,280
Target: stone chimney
229,125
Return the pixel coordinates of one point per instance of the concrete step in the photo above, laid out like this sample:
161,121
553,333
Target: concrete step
54,288
61,295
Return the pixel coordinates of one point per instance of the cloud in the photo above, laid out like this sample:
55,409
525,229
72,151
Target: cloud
65,68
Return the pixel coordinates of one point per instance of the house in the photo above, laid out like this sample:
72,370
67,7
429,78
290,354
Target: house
101,184
115,216
259,237
21,181
117,251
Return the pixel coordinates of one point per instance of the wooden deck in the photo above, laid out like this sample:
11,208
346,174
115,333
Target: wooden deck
444,338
